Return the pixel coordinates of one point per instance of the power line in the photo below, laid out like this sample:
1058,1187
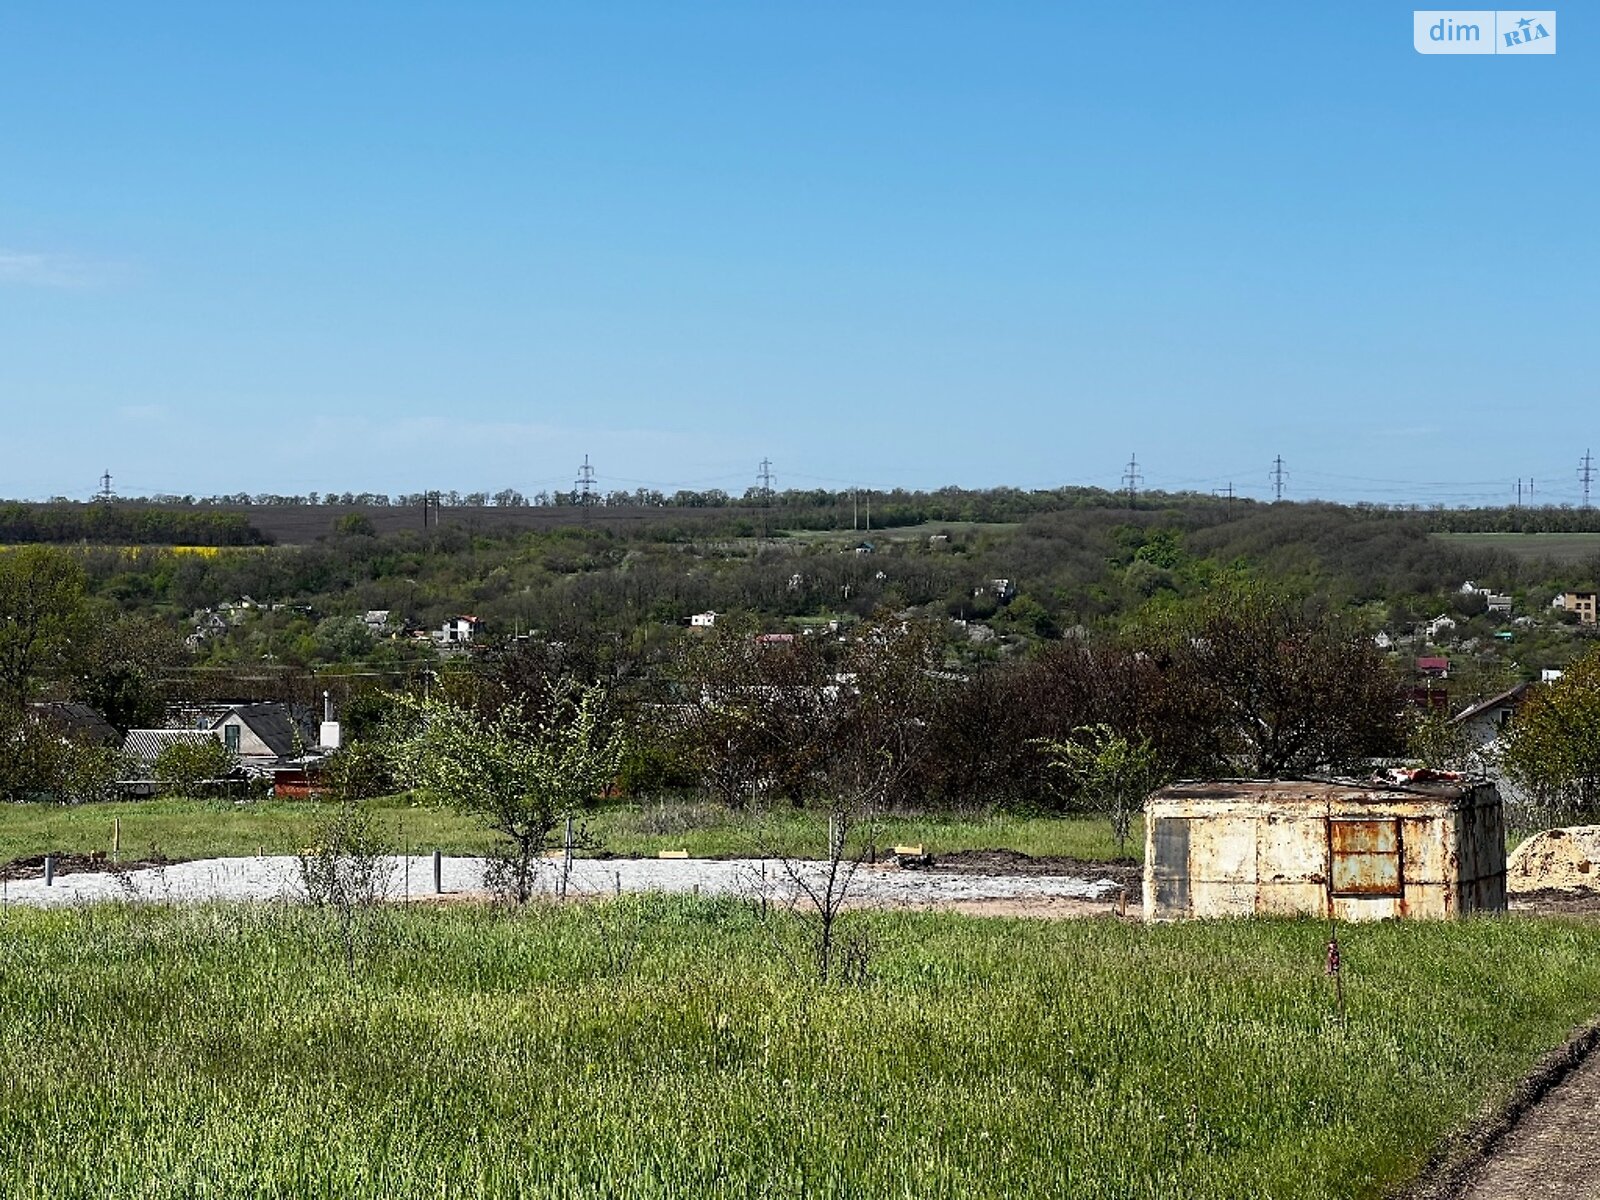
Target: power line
1277,478
1131,479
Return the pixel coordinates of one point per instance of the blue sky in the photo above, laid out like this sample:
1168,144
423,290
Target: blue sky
395,246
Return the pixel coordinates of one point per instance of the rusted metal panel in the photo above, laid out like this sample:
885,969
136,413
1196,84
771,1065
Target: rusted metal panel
1291,899
1365,857
1223,849
1429,901
1219,898
1290,848
1368,908
1422,843
1351,836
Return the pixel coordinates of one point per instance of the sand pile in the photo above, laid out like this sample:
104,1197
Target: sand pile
1562,859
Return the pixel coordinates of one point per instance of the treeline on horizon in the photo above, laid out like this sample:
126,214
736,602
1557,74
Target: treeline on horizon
125,524
225,520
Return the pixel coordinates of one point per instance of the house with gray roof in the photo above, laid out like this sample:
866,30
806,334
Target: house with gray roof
79,722
262,734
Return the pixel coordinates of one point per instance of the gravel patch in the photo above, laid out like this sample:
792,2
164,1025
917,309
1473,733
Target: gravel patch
278,878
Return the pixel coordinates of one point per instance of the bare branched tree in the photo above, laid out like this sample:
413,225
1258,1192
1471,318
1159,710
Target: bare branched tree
1294,688
750,714
876,728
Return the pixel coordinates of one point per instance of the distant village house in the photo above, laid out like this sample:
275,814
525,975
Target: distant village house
1582,603
458,631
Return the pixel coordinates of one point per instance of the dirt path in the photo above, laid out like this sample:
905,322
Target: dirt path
1543,1143
1553,1152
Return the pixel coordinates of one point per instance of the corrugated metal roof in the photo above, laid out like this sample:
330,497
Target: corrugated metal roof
147,744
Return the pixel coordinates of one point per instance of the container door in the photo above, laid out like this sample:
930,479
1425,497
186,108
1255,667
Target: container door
1364,856
1169,868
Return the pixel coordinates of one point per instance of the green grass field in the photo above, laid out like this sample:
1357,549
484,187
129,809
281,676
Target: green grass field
657,1048
903,533
187,829
1557,547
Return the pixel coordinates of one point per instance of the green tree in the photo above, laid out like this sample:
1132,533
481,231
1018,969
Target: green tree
88,774
1433,739
342,639
183,768
1551,752
1107,773
360,770
520,777
347,872
121,669
43,619
39,762
354,525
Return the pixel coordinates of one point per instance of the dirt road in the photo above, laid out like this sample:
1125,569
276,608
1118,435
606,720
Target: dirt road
1554,1151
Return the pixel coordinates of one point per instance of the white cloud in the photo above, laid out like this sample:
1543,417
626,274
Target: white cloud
32,269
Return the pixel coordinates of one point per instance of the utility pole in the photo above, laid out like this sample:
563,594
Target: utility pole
1277,479
1131,479
584,486
1586,474
855,511
432,504
1228,492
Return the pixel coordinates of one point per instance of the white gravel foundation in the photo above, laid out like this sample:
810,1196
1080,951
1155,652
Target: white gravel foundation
278,877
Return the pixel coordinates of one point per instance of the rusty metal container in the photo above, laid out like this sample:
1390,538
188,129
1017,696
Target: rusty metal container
1358,852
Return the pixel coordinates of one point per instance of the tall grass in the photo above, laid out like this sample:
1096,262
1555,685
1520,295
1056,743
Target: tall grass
226,1051
187,829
